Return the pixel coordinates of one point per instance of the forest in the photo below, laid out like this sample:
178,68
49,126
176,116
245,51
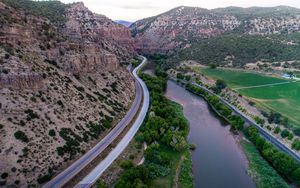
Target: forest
53,10
240,50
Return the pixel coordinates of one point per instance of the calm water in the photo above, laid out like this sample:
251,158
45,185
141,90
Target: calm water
218,160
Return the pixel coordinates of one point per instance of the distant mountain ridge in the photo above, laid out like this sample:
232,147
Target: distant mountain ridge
181,26
123,22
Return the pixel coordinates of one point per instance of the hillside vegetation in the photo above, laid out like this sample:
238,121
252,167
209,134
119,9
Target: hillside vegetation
252,12
62,86
240,50
53,10
183,26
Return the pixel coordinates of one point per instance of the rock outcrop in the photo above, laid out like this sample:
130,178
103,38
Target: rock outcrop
62,85
181,26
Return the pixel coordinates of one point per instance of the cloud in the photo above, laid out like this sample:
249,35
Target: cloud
132,10
139,7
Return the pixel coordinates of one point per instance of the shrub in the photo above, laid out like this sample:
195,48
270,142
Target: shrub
212,65
51,62
126,164
44,178
134,177
221,84
22,123
77,76
72,142
297,131
180,76
296,144
31,114
188,77
285,133
4,175
33,99
296,175
259,121
20,135
79,88
277,130
192,146
251,103
52,132
60,103
291,136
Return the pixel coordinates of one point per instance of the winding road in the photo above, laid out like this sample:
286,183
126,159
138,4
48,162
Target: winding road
142,95
92,177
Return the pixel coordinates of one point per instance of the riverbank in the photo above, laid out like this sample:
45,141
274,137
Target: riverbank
218,159
260,170
167,161
283,163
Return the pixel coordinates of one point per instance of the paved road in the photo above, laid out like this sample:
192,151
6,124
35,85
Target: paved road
82,162
249,120
92,177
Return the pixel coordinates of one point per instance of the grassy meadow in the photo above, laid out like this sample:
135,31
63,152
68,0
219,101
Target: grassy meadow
284,98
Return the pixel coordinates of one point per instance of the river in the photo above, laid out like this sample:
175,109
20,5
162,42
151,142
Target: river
218,160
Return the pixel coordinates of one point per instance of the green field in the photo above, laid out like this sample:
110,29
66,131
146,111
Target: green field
238,79
284,98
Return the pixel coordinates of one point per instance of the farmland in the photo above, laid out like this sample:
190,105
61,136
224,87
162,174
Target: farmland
283,98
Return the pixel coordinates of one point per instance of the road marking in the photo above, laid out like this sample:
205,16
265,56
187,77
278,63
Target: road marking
92,177
82,162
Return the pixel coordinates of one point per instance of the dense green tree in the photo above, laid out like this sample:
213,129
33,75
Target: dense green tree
221,84
285,133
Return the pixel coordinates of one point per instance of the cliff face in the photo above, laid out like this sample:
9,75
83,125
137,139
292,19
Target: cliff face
179,27
84,25
62,85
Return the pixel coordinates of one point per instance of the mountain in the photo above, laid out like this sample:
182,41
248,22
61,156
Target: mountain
63,83
180,27
123,22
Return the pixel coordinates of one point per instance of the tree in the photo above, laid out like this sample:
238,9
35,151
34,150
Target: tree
296,175
126,164
296,144
20,135
221,84
180,76
297,131
188,77
285,133
277,130
52,132
134,177
212,65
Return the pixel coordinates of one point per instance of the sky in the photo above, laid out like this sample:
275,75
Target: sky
132,10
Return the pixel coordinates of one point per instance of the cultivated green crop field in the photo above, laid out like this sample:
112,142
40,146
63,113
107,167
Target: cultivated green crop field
237,79
283,98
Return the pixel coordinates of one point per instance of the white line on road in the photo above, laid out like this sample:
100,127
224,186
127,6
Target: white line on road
92,177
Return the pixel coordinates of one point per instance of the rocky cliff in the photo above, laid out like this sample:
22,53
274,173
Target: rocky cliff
179,27
63,85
